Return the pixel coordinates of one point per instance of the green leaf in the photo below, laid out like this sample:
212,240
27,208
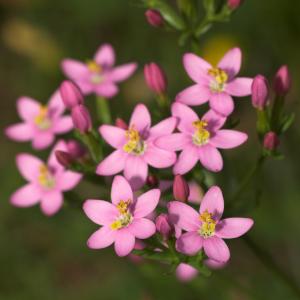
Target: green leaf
287,122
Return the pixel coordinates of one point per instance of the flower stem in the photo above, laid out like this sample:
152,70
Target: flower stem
103,110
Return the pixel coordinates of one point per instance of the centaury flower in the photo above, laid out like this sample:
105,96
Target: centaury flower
123,220
40,122
215,84
46,181
199,139
98,75
205,229
135,149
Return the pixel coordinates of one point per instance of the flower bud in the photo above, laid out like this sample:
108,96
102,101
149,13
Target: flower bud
163,226
70,94
271,141
234,4
64,158
121,123
155,78
282,81
152,181
260,92
81,118
154,18
75,149
181,189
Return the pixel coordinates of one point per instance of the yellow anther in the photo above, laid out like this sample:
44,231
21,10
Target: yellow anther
93,66
201,135
45,178
116,225
42,119
123,206
220,79
135,144
125,217
208,225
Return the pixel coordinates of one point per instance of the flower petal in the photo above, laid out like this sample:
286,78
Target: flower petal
210,158
124,242
29,166
216,249
215,121
185,272
114,136
146,203
227,139
187,160
21,132
164,127
142,228
68,180
51,202
42,140
239,87
183,216
194,95
52,161
159,158
231,62
105,55
122,72
28,108
173,142
100,212
74,69
120,190
233,227
189,243
222,103
101,238
63,125
56,105
213,202
112,164
140,118
106,89
25,196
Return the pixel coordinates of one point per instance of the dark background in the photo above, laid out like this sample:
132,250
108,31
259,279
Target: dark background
47,258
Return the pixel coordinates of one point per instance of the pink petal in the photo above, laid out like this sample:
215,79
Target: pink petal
42,140
186,116
21,132
29,166
114,136
74,69
185,272
216,249
189,243
120,190
233,227
85,85
164,127
100,212
112,164
122,72
183,216
106,89
210,158
105,55
25,196
101,238
227,139
68,180
213,202
159,158
196,193
195,66
231,62
136,171
222,103
187,160
239,87
51,202
173,142
214,264
142,228
215,121
52,161
140,118
63,125
194,95
56,105
28,108
124,242
146,203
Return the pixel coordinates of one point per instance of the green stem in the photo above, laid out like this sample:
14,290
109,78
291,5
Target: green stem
276,113
103,110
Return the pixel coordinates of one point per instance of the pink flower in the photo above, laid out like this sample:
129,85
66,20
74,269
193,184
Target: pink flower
99,75
199,139
215,84
205,229
185,272
40,122
46,181
123,220
135,149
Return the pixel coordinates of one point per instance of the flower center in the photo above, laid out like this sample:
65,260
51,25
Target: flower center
208,225
201,135
135,144
96,71
42,120
46,178
220,78
125,217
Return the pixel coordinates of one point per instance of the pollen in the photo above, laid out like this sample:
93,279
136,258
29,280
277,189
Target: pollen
93,66
201,135
135,145
46,178
220,78
42,119
125,217
208,225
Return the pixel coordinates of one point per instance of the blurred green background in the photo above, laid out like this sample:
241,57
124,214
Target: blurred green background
47,258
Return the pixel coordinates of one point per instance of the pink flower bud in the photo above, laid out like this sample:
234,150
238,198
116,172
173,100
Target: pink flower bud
70,94
152,181
154,18
260,92
271,141
163,226
282,81
234,4
75,149
155,78
181,189
121,123
81,118
64,158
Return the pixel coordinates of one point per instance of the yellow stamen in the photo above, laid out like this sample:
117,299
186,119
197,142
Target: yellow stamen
123,206
201,135
208,225
220,79
45,178
93,66
135,144
42,119
125,217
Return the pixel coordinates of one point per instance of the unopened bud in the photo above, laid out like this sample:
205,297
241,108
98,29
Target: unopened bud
81,118
260,92
164,226
155,78
64,158
152,181
271,141
234,4
154,18
75,149
181,189
282,81
121,123
70,94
